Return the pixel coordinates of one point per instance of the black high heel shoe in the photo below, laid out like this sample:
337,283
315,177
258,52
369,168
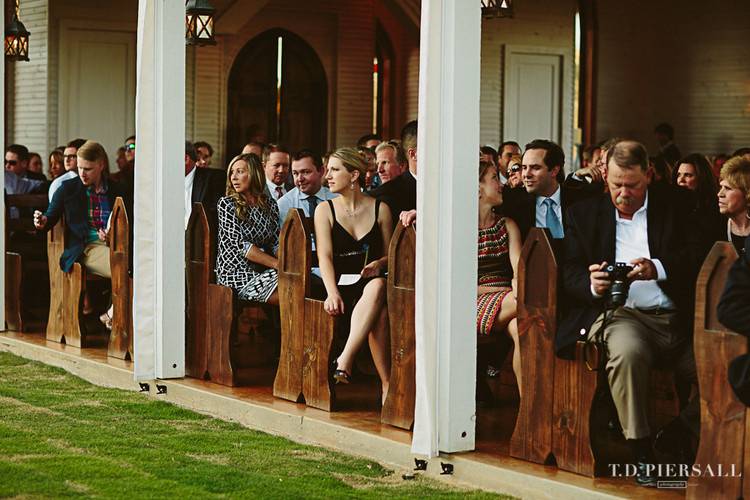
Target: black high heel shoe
340,376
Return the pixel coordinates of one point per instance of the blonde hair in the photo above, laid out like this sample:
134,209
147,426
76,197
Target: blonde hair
352,160
94,152
257,186
736,172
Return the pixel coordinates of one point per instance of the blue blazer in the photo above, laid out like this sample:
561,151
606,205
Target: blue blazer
71,199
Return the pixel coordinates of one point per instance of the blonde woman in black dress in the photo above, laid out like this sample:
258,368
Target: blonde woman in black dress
352,234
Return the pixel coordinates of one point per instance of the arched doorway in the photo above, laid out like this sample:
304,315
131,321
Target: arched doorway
277,92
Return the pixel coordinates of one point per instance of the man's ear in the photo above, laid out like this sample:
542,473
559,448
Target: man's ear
649,175
555,171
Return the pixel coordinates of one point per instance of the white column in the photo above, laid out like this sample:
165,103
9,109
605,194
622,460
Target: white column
2,183
159,258
446,261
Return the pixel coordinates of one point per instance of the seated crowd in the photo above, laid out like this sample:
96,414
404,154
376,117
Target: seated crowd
658,215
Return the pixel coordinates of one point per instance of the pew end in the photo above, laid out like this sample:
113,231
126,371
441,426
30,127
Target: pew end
398,409
121,337
724,423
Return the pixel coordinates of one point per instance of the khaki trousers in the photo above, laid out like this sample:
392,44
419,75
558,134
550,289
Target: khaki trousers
96,259
636,342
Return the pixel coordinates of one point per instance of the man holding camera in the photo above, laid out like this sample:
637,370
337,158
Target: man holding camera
630,270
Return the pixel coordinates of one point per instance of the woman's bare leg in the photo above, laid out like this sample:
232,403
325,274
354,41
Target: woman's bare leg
364,317
380,347
513,332
506,321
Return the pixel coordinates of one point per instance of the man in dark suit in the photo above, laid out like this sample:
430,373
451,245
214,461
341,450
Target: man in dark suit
400,194
542,200
202,185
17,161
647,228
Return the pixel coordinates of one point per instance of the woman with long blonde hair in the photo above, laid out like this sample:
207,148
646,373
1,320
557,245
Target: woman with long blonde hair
248,233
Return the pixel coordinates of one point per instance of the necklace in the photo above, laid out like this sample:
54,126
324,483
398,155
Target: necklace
351,213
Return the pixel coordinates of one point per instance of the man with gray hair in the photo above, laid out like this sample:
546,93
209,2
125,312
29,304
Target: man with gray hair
641,238
391,160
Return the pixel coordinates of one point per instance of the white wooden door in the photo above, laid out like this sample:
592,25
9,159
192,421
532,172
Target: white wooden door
532,96
97,85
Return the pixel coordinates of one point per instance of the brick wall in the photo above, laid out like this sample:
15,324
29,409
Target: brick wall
680,61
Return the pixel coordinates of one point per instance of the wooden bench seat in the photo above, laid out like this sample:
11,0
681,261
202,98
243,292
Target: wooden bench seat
398,409
121,337
212,347
307,330
725,435
25,258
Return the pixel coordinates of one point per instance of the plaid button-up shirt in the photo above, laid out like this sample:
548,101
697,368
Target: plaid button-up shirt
99,209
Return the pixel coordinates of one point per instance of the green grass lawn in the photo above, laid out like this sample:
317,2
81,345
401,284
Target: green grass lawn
63,437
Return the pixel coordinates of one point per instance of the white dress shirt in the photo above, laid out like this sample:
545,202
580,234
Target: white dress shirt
631,243
272,189
189,195
541,209
297,199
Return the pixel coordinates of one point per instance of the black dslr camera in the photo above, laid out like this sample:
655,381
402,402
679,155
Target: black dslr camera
618,291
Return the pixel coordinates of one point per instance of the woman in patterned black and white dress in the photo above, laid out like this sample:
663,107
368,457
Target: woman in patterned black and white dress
248,233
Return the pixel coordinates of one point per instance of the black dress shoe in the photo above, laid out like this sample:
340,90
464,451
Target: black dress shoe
646,474
339,376
676,440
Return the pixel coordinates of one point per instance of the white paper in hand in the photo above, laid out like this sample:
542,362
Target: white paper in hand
344,279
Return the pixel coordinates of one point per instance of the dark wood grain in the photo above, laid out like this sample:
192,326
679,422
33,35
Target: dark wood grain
197,256
398,409
219,335
575,387
295,255
319,330
13,277
121,337
55,247
723,416
537,323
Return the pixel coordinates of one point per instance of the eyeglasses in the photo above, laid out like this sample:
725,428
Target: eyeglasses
515,168
12,163
130,147
69,157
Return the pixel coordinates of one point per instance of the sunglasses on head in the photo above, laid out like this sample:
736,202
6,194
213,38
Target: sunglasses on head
130,147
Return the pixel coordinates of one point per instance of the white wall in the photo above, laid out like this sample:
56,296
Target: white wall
536,23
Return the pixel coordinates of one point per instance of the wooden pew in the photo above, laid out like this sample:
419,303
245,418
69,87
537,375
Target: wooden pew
555,415
213,351
556,394
13,304
307,330
398,409
66,293
725,437
121,337
210,308
21,261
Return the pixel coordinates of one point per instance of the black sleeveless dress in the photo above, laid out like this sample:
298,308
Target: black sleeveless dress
350,256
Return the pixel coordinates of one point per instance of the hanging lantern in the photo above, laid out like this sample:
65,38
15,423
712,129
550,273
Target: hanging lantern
497,8
199,22
16,39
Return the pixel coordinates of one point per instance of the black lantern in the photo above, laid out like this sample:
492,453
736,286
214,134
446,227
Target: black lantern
497,8
199,22
16,39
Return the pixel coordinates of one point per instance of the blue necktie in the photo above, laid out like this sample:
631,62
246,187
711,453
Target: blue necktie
553,224
312,202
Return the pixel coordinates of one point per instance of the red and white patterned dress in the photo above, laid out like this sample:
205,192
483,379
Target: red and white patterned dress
494,270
